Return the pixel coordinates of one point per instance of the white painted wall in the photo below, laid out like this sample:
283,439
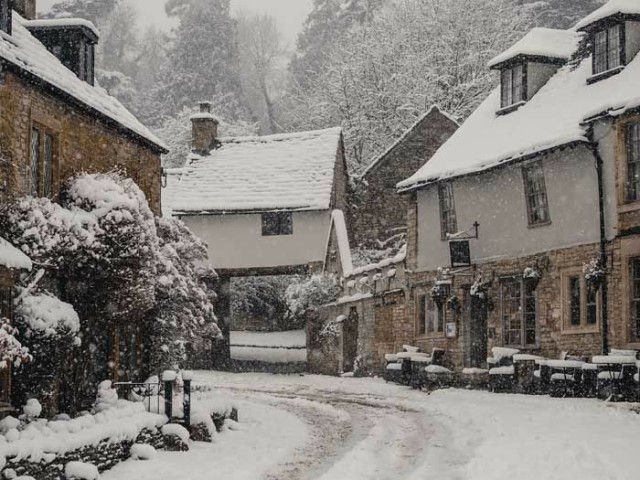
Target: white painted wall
632,30
236,241
496,200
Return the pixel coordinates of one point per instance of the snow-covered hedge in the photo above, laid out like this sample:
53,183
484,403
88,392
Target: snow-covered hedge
312,293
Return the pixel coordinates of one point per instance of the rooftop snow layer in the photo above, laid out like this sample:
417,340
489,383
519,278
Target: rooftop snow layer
24,51
11,257
289,171
61,23
552,118
542,42
613,7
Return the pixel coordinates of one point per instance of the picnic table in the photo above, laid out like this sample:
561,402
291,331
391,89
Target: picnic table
565,376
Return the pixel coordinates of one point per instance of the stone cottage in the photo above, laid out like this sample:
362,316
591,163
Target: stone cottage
376,211
55,122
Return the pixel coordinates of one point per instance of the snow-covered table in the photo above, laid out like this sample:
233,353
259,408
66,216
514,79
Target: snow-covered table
615,375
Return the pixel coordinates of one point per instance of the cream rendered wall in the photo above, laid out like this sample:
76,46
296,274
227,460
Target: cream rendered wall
236,241
496,200
633,39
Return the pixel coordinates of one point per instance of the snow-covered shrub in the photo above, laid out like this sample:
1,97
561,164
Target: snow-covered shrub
32,409
479,289
140,451
594,273
311,293
107,397
183,310
11,350
262,299
81,471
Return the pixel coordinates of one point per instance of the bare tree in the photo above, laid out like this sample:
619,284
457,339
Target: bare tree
262,62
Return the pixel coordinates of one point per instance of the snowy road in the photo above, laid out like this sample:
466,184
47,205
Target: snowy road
319,428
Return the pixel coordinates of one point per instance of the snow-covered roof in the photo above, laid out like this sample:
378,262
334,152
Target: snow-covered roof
542,42
339,225
60,23
613,7
554,117
293,171
25,52
411,129
11,257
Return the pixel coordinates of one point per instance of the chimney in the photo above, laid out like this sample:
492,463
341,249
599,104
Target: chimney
6,16
26,8
204,130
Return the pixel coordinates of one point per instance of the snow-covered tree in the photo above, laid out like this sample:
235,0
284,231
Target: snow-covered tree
94,10
202,61
11,350
415,53
183,310
328,23
262,298
311,293
262,56
560,13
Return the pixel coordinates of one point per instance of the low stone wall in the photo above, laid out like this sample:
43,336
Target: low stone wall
104,456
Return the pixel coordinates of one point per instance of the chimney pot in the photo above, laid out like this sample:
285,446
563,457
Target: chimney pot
206,107
26,8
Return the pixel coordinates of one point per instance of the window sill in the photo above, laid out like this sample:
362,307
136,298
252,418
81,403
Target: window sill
604,75
629,206
581,330
540,225
431,336
510,108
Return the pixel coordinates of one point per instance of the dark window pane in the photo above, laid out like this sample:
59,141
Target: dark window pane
535,193
592,307
277,223
600,64
633,162
35,161
613,55
448,221
48,165
574,301
422,314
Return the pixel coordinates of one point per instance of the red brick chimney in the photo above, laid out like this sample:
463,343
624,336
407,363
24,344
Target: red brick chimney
26,8
204,130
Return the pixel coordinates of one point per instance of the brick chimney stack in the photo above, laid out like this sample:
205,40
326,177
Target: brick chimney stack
204,130
26,8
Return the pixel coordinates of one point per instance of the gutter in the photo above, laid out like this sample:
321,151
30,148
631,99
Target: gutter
593,146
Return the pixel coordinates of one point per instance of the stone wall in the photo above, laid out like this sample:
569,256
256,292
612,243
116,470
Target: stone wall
378,211
81,143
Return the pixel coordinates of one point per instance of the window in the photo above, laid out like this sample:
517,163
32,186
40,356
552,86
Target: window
635,298
5,302
536,194
435,313
448,222
633,162
513,85
277,223
422,314
42,157
35,161
581,302
519,312
607,49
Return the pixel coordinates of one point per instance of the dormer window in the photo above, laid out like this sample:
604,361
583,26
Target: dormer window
513,85
607,49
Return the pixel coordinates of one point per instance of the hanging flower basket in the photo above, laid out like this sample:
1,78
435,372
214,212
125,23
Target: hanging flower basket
480,289
440,293
594,274
531,277
453,304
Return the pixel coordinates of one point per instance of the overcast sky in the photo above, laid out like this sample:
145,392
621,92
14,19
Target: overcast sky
290,14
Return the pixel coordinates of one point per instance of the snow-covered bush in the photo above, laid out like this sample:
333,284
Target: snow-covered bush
183,310
261,298
311,293
120,268
11,350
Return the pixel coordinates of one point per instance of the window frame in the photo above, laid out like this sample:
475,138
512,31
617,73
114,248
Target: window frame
606,55
448,216
634,300
43,157
509,88
632,195
522,311
535,192
277,224
583,326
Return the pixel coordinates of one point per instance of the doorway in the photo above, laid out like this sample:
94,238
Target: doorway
478,337
350,340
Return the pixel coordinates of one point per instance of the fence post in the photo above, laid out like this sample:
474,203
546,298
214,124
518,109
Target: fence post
187,376
168,377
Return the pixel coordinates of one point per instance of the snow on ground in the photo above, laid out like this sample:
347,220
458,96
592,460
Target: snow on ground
269,347
322,428
293,338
